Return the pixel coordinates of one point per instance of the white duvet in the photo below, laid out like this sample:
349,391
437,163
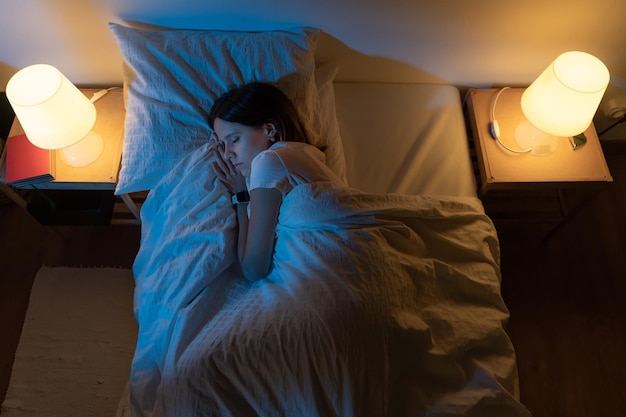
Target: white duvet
377,305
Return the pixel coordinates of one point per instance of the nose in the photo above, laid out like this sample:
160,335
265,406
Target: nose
228,153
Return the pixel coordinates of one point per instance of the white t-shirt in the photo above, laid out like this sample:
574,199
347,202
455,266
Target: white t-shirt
285,165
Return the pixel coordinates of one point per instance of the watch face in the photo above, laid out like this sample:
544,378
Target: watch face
241,197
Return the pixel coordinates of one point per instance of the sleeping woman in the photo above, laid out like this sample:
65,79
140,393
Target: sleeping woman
370,306
261,154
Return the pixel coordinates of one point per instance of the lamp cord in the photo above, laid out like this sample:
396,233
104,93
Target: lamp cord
494,125
99,94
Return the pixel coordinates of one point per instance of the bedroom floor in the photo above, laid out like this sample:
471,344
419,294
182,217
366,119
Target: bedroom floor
567,294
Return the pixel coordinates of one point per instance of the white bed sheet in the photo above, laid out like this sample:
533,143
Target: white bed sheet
404,138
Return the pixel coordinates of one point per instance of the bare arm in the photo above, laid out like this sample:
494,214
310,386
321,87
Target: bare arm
256,235
255,243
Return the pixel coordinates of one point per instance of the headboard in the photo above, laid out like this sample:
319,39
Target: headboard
404,138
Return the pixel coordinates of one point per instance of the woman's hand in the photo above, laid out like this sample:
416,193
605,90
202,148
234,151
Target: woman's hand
225,170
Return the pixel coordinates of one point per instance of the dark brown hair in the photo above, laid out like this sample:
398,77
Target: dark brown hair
257,103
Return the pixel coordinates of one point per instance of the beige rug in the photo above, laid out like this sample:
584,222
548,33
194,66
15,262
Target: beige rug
74,354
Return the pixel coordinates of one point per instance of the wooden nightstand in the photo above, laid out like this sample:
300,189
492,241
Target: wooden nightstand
519,186
99,178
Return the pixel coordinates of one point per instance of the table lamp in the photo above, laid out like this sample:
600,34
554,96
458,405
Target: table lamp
54,114
561,102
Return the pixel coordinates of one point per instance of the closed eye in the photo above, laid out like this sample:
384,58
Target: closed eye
231,138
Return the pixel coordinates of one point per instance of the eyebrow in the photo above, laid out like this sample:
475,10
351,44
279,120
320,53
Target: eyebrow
236,132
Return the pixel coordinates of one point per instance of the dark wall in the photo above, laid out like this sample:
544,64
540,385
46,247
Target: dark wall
6,116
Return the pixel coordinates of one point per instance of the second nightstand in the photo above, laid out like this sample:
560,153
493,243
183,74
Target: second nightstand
505,177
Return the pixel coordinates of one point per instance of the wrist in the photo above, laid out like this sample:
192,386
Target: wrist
241,197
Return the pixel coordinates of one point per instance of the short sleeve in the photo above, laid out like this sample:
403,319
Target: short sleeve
268,171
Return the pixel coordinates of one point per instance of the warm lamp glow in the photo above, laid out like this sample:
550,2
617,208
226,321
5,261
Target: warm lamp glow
564,98
52,111
83,152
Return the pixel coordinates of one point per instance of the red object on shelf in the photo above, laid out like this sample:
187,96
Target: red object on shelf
26,163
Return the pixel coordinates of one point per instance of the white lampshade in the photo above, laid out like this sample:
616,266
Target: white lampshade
565,97
52,111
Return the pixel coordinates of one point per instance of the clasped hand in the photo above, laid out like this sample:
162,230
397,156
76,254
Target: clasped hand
224,169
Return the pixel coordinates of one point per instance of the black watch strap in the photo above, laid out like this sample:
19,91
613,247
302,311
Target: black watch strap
241,197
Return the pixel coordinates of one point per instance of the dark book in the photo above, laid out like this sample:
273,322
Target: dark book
26,163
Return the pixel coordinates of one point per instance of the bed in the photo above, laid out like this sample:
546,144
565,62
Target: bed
384,298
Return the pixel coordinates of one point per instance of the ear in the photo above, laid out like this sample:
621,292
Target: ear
270,130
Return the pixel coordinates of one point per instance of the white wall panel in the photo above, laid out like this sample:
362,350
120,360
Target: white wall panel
463,42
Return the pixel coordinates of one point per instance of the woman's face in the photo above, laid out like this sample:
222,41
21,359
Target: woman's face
241,143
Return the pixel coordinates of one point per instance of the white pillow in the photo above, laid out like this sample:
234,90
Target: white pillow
172,77
328,134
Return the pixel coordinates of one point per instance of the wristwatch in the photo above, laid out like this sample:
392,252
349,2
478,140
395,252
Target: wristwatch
241,197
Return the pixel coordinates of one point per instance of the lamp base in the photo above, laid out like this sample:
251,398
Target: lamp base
528,136
84,152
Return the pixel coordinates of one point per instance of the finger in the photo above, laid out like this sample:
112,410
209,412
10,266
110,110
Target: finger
230,166
222,148
216,169
225,163
220,168
226,166
216,154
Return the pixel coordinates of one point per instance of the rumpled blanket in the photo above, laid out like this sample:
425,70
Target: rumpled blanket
377,305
